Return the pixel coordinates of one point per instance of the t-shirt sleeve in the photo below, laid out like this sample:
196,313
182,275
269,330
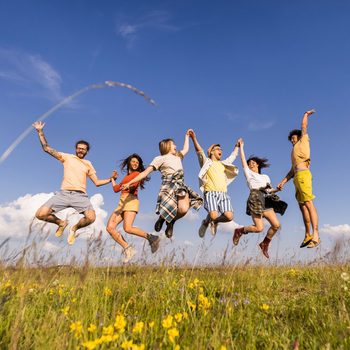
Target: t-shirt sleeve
268,180
157,162
64,156
201,158
91,170
247,173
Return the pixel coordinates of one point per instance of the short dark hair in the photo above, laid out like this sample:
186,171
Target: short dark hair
296,132
262,162
83,142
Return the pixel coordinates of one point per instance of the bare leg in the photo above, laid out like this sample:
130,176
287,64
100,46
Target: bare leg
271,217
129,217
89,218
225,217
46,214
183,204
306,218
258,224
314,218
114,220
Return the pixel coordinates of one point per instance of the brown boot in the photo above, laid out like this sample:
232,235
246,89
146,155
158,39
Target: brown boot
264,245
237,235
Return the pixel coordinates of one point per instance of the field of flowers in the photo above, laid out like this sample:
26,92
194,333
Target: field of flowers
137,307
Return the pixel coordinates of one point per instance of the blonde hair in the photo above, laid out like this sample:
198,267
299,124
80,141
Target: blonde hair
164,147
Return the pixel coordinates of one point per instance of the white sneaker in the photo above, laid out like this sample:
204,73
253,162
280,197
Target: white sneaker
71,237
203,229
213,227
128,253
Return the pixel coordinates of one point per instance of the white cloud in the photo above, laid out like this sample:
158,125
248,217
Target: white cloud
256,125
30,70
228,227
129,29
335,230
188,243
16,217
192,215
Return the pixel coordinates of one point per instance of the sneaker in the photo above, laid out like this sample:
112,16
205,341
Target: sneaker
203,228
265,249
306,241
237,235
169,229
128,253
159,223
60,229
213,227
314,244
154,242
71,237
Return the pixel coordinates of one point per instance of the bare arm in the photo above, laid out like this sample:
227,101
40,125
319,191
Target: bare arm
196,144
241,148
286,179
138,178
100,182
39,126
305,121
186,145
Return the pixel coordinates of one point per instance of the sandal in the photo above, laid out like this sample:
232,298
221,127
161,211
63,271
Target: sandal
307,240
314,244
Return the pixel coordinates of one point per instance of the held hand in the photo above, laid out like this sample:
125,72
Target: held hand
188,132
240,142
38,126
191,133
311,111
125,186
280,186
114,174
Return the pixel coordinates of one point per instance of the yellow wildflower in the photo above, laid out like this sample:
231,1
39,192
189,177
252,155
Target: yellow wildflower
108,330
203,303
292,272
120,323
107,292
138,327
185,315
151,324
167,322
65,310
138,347
177,347
127,344
223,347
90,345
91,328
77,328
191,305
264,307
172,333
178,317
74,300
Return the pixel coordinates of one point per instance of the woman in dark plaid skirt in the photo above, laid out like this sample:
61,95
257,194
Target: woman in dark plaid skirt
175,197
259,185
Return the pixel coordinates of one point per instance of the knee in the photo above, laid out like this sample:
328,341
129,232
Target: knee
41,214
229,215
127,228
276,227
90,217
183,209
213,215
259,228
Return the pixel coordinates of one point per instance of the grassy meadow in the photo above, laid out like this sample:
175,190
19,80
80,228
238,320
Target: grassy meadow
138,307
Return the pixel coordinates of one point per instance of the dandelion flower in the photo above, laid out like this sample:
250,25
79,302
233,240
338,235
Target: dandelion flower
138,327
127,344
172,333
107,292
167,322
91,328
120,323
264,307
178,317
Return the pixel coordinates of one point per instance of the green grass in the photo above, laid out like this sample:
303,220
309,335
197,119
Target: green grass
209,308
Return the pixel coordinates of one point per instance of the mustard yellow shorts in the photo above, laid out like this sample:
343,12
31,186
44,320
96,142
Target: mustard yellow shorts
127,202
303,186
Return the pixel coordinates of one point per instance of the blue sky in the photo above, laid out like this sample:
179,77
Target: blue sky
227,69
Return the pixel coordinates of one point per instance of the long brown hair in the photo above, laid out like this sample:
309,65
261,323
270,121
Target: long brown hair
125,163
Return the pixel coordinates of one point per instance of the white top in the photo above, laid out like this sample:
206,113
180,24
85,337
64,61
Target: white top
167,164
256,180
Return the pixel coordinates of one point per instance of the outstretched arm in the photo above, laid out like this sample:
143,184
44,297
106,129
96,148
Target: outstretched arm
39,126
186,145
100,182
305,121
286,179
196,144
240,143
138,178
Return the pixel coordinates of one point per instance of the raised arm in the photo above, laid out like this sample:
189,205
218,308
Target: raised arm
231,158
100,182
186,145
196,144
39,126
305,121
240,143
138,178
